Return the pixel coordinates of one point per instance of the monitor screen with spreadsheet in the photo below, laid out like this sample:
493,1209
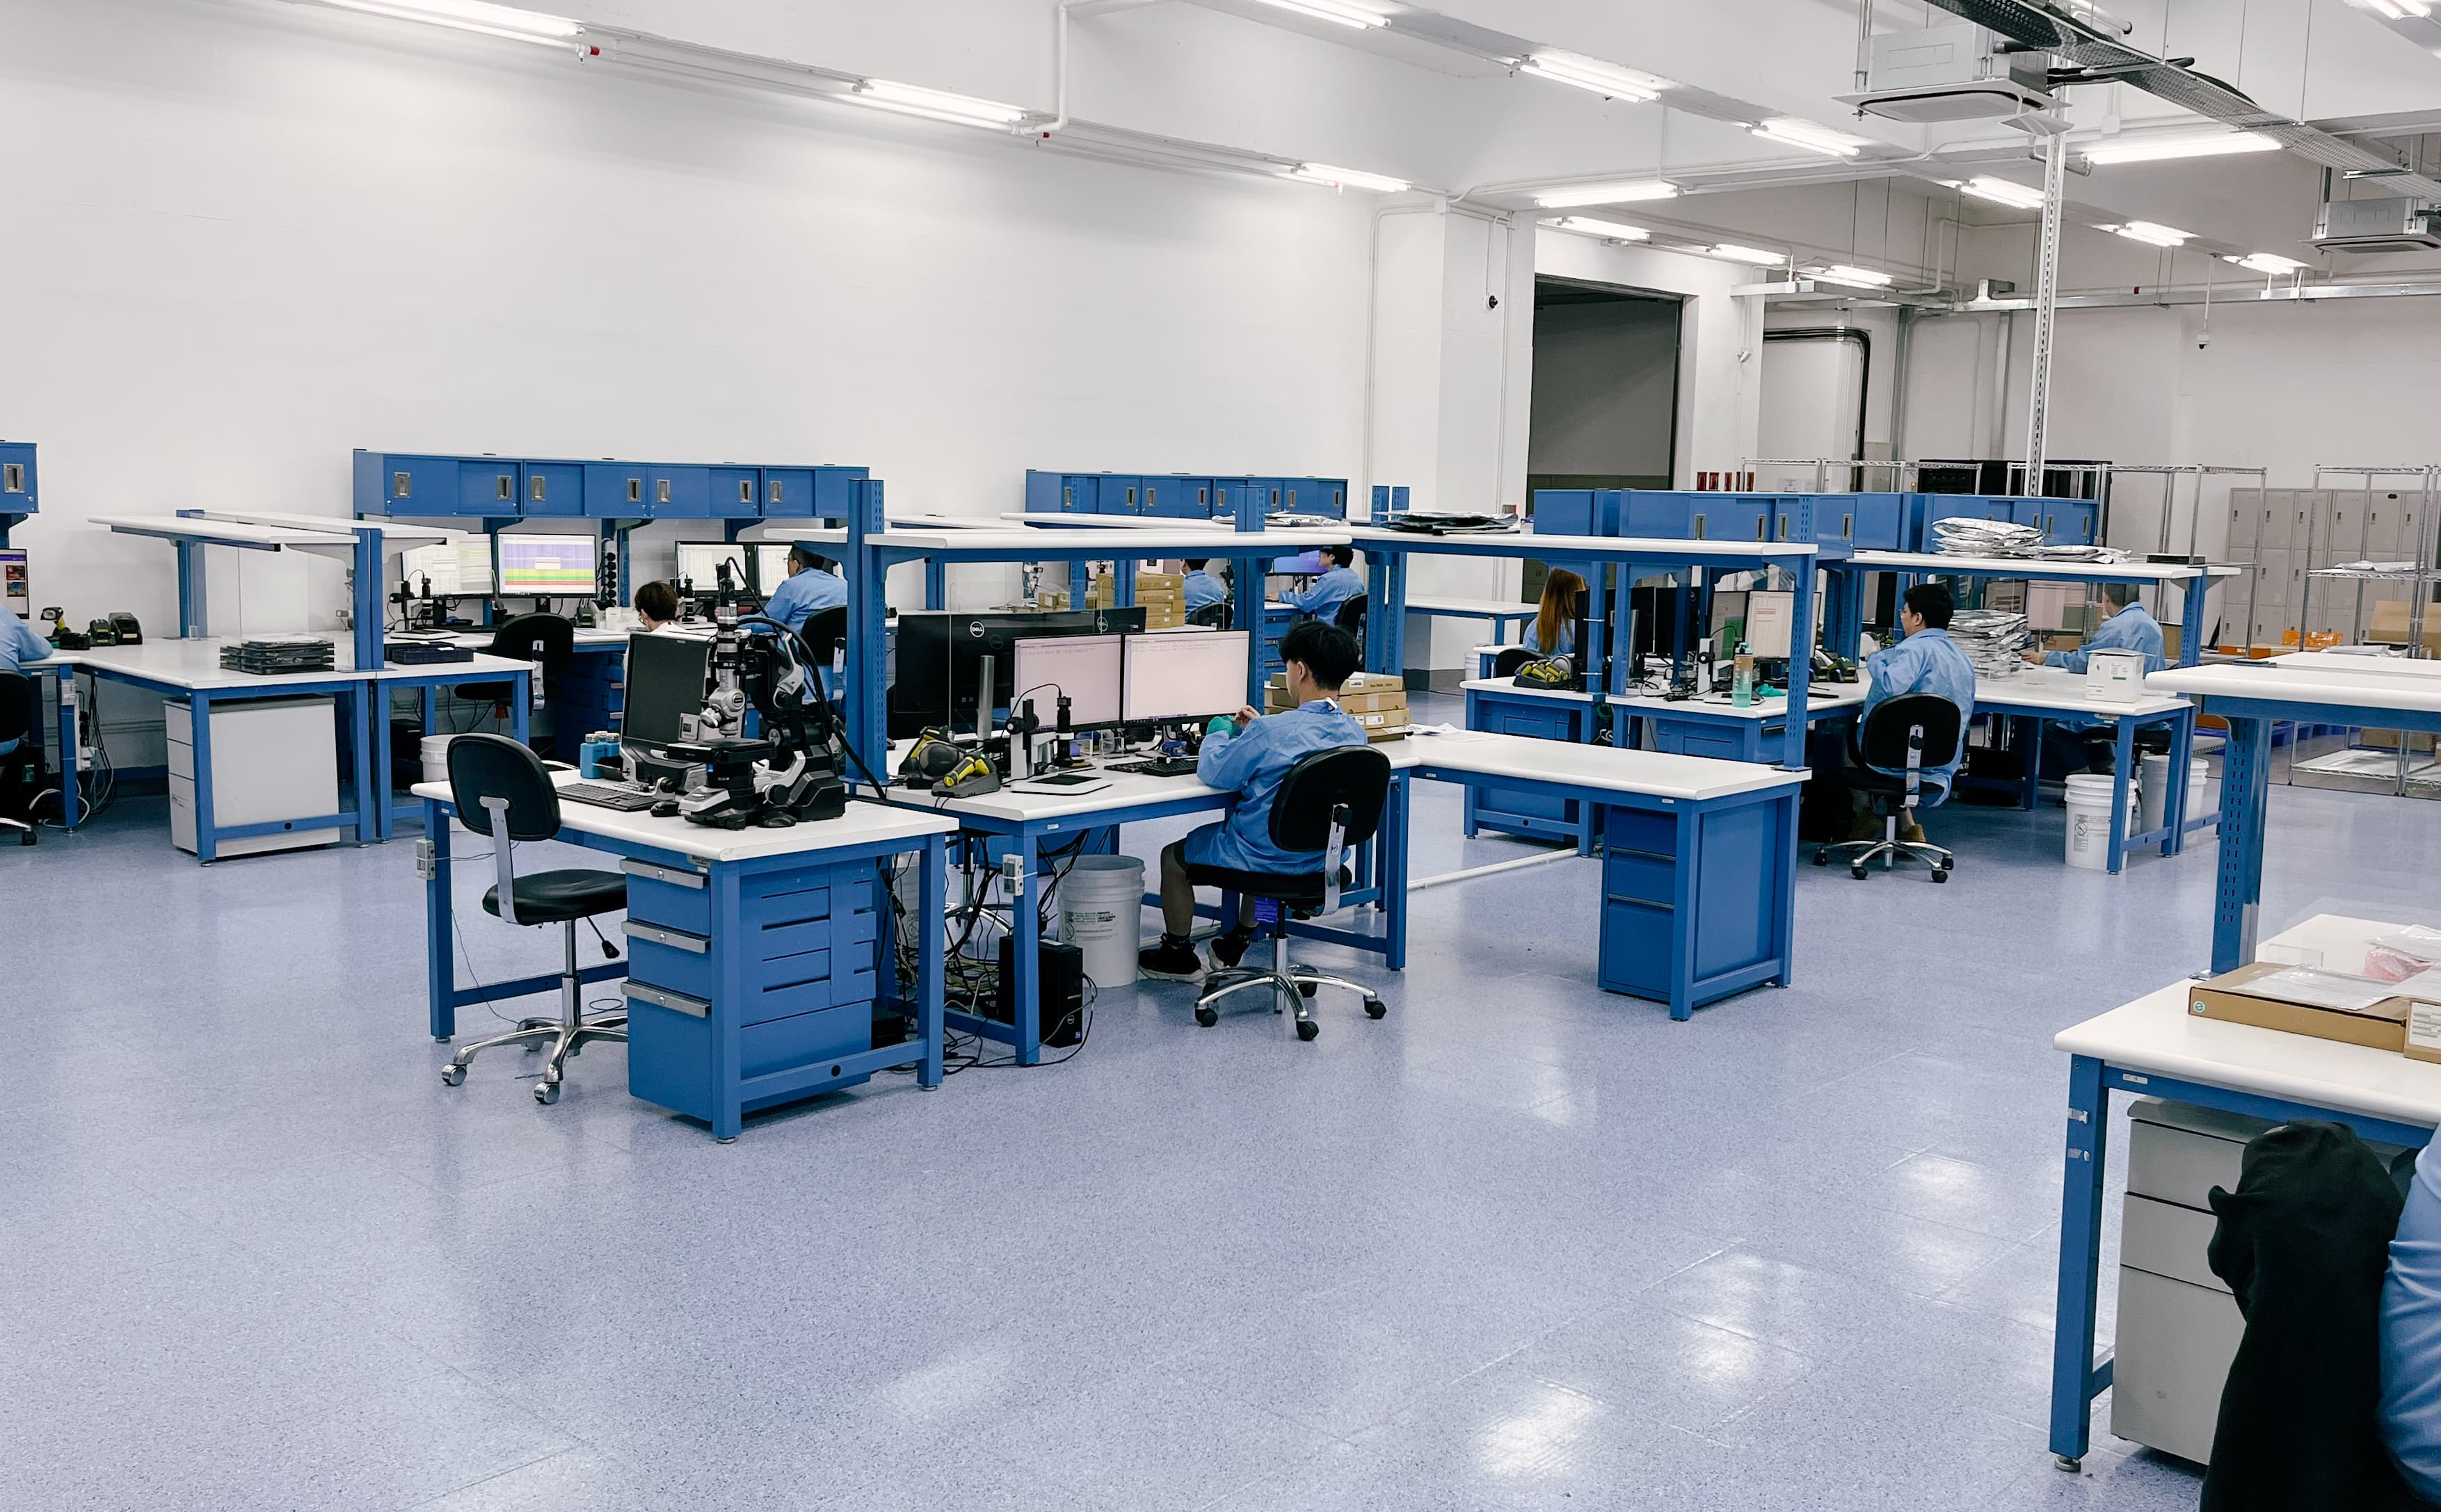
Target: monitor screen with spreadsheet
453,567
699,564
1185,674
771,567
1083,669
548,566
1770,617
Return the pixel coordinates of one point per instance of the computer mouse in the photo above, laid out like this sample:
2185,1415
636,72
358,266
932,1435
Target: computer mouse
666,808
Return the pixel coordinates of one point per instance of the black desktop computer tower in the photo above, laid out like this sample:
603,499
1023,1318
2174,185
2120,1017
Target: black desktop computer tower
1061,975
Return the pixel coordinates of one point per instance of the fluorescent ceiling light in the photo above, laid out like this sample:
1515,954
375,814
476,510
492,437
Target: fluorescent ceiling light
2186,144
1594,74
938,104
1853,277
1614,230
2148,232
1618,191
473,15
2272,263
1747,254
1346,15
1347,178
2003,191
2395,10
1796,132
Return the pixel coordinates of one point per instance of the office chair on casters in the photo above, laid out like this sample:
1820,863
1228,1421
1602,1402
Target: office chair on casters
1212,616
1910,731
502,790
547,641
16,723
1329,801
1350,617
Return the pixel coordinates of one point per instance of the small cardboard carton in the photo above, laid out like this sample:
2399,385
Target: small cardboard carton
2423,1030
2234,996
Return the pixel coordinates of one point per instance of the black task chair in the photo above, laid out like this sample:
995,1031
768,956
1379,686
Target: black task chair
1350,617
1329,801
1912,732
1212,616
547,641
502,791
1510,658
17,702
823,632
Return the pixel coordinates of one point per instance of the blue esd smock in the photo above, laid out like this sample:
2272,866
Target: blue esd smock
1203,590
2131,629
806,593
18,646
2411,1336
1927,661
1329,592
1252,762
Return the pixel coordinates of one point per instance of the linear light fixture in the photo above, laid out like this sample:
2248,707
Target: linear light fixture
2146,232
1609,230
1734,253
1853,277
2395,10
2270,262
2186,144
939,105
473,15
1346,15
1348,178
1593,74
2003,191
1793,132
1618,191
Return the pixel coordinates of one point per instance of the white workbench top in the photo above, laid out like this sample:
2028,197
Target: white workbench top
2021,566
1161,538
2270,679
2056,688
196,663
863,823
335,535
2341,664
1483,608
1562,547
1508,685
1833,696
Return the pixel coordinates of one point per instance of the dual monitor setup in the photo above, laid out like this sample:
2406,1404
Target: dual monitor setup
1112,672
512,564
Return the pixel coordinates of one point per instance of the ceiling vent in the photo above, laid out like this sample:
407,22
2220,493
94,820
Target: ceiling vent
1958,72
2390,224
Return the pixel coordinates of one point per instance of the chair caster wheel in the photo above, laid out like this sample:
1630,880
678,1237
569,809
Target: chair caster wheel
1940,875
545,1092
1307,1029
1822,858
1207,1017
1375,1008
1306,989
1857,871
453,1076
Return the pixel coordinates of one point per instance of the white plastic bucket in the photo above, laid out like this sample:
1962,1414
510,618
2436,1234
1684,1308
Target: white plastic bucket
2201,799
2088,820
2156,791
1101,913
436,758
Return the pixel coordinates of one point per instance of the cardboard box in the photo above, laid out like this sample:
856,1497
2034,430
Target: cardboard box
2388,740
2423,1030
2382,1026
2389,628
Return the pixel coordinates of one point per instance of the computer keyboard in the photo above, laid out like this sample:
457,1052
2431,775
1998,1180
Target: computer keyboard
602,795
1157,767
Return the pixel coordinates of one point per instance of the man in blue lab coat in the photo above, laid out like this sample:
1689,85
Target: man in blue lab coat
1334,588
2068,743
1202,589
812,587
1250,757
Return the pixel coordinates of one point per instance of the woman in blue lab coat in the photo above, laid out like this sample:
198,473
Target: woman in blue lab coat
1554,630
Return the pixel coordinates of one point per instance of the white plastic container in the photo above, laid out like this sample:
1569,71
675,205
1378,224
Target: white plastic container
2088,820
2155,791
2114,676
1101,913
436,758
2202,800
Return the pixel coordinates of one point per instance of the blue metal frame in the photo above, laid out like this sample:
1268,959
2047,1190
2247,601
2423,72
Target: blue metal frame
2172,835
1843,622
1500,623
1491,804
2077,1378
431,678
734,1093
15,507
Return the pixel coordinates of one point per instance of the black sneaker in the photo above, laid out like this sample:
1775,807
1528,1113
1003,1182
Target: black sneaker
1171,960
1228,949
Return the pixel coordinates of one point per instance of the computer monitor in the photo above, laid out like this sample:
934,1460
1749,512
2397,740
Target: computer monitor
1771,620
699,563
1303,565
771,567
16,587
940,660
548,566
1185,674
453,567
1085,670
665,683
1727,606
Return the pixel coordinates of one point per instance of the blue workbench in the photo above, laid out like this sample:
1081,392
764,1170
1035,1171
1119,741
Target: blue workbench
756,956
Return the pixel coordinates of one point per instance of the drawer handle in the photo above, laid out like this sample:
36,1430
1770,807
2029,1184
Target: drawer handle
675,938
675,1001
670,874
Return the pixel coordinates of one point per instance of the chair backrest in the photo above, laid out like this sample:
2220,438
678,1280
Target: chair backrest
1895,724
483,766
16,706
547,641
1509,659
1212,616
1354,777
1351,615
823,631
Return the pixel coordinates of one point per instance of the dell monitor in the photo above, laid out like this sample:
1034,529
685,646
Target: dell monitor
1185,674
1085,670
665,683
547,567
940,660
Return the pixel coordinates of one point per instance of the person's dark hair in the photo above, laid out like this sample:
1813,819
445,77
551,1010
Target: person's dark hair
1340,555
800,559
1195,564
658,601
2119,594
1329,653
1933,600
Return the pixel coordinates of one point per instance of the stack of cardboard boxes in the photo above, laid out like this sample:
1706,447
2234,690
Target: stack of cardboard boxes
1376,700
1162,596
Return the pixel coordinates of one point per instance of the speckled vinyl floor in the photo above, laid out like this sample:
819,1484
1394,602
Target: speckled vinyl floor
1520,1245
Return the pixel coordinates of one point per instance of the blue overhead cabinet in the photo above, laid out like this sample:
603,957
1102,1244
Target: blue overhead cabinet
388,483
615,491
1178,498
735,492
488,486
1868,522
18,494
2069,521
677,493
553,490
1577,511
1120,494
1688,516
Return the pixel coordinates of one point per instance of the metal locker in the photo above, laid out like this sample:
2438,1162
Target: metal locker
2279,523
2245,523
